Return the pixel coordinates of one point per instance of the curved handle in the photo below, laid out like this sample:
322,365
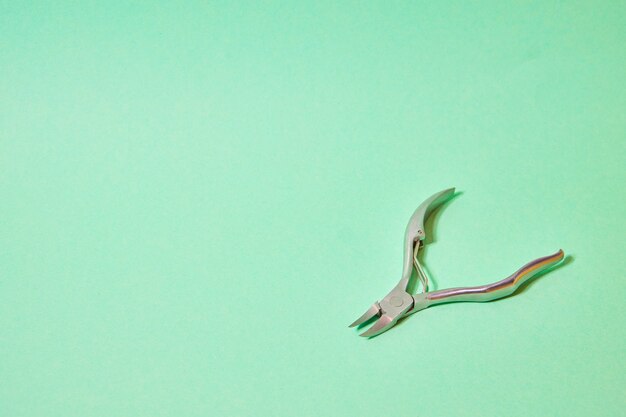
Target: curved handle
498,289
415,229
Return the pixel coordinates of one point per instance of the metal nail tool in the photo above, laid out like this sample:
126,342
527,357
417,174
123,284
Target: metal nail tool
399,303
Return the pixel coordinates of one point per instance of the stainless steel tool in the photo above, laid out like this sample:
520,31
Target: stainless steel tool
399,303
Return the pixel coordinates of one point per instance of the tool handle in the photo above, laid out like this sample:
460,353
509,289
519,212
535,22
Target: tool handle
498,289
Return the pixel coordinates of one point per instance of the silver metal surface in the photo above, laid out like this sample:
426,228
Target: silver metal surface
415,230
488,292
371,312
420,271
399,303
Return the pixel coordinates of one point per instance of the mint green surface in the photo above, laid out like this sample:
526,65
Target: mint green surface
197,198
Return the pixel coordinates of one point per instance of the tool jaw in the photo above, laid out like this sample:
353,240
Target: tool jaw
389,310
392,308
373,311
396,303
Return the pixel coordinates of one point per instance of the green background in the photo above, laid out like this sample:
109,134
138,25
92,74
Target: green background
197,198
